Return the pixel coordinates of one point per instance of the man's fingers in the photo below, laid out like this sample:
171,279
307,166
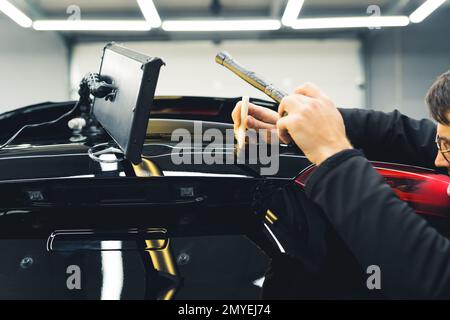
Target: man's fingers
293,102
253,123
310,90
263,114
283,132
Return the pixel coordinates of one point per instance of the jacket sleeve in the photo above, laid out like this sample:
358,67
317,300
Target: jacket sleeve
391,137
380,229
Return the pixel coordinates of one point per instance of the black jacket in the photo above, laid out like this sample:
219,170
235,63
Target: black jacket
380,229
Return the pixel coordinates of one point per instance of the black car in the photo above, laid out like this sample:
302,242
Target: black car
76,228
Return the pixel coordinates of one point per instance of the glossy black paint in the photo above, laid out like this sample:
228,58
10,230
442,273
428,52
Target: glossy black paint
50,183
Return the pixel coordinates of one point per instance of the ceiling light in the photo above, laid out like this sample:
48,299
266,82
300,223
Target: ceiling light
292,11
350,22
425,10
150,13
15,14
91,25
221,25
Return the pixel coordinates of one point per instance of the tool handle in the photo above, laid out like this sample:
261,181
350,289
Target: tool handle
225,59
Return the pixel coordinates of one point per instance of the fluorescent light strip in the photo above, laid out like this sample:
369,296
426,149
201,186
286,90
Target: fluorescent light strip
425,10
351,22
15,14
221,25
150,12
292,12
91,25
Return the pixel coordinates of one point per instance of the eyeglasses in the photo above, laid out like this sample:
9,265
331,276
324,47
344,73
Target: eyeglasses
443,146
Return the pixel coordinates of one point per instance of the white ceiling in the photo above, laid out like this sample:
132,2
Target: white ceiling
116,6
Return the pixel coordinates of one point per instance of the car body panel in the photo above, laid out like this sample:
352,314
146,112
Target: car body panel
212,213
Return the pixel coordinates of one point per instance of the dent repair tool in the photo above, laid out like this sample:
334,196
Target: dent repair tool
225,59
242,128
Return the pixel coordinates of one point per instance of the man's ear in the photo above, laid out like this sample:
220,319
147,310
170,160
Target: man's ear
447,116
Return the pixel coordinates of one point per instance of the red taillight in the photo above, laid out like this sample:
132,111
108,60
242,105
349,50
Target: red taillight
304,175
424,190
427,193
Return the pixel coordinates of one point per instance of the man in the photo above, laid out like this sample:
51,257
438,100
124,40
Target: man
379,229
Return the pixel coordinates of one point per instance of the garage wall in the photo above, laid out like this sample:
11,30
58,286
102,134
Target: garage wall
33,66
403,63
335,65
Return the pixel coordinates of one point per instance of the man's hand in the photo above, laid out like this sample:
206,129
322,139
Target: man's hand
258,118
313,123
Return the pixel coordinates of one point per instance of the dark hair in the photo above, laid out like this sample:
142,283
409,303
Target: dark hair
438,99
